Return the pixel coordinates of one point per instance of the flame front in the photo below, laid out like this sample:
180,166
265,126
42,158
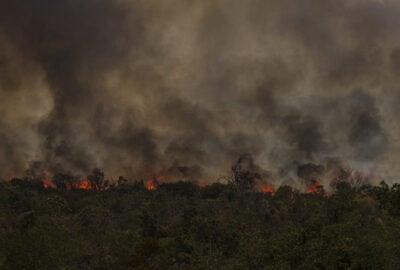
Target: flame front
85,184
267,189
153,183
316,188
48,184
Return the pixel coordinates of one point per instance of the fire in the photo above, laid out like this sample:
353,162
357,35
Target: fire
316,188
267,189
48,184
152,183
85,184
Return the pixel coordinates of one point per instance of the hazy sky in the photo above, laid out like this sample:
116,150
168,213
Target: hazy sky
185,87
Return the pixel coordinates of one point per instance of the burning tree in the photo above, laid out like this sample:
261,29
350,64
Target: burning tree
96,179
312,174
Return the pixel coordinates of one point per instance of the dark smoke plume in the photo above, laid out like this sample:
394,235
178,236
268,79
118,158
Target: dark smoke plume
186,87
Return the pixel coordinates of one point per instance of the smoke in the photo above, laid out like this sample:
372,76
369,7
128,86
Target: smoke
185,88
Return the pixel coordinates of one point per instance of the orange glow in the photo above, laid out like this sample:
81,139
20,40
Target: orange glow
85,184
152,183
48,184
267,189
316,188
201,184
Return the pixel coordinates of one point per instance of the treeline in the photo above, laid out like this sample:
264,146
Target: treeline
182,226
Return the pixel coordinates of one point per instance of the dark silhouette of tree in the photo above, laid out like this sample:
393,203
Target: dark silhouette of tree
96,179
63,181
245,173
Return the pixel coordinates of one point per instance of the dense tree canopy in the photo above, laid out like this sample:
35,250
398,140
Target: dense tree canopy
182,226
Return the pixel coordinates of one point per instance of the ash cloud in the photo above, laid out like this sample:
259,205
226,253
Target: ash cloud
185,88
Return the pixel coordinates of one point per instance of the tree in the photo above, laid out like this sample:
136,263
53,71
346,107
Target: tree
63,181
245,172
96,179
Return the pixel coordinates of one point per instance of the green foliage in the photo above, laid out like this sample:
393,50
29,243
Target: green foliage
182,226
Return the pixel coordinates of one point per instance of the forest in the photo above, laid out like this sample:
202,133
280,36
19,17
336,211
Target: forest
184,225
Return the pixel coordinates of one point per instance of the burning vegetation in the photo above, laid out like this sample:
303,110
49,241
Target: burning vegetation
153,183
157,219
269,190
107,85
246,176
250,134
159,224
316,188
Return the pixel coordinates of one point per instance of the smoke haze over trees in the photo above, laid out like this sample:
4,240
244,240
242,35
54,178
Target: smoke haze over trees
186,87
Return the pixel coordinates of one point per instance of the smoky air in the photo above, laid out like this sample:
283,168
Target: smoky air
196,90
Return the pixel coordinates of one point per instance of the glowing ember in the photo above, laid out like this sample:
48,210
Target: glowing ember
48,184
85,184
316,188
267,189
152,183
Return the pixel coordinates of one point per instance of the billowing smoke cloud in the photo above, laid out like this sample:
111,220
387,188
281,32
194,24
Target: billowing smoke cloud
139,87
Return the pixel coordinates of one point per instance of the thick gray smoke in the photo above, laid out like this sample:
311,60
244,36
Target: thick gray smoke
186,87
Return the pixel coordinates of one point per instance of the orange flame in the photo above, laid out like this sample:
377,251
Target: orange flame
152,183
85,185
48,184
316,188
267,189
